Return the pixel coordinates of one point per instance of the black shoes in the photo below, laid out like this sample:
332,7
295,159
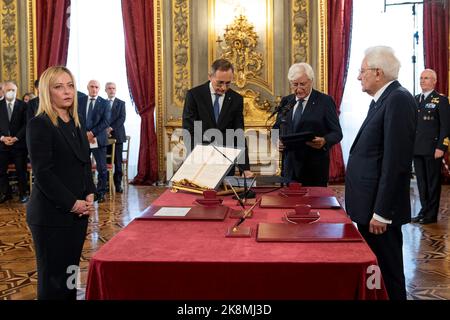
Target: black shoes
23,198
427,220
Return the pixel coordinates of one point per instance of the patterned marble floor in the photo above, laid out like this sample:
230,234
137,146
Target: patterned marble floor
426,248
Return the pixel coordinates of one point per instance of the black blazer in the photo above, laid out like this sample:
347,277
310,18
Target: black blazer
432,124
14,128
100,118
198,106
117,121
32,108
62,173
320,117
379,165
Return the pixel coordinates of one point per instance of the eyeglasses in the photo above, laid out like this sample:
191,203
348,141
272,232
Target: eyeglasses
362,71
222,83
302,85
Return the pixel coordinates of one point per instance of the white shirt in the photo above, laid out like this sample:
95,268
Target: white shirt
213,97
426,94
88,103
305,101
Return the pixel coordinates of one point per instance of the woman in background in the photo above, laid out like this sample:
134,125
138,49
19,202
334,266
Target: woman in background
63,194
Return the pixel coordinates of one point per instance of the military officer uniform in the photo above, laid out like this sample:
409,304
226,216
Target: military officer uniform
431,134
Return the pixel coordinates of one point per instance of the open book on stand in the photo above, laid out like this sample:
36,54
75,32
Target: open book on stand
205,168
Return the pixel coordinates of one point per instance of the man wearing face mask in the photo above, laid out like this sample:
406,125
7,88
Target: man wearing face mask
13,147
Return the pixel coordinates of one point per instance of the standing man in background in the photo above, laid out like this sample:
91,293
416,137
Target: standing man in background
377,184
33,104
116,131
13,147
215,105
307,110
430,145
94,116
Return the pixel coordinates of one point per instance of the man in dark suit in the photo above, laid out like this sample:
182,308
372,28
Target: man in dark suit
33,104
377,184
430,145
94,111
212,109
13,147
116,131
307,110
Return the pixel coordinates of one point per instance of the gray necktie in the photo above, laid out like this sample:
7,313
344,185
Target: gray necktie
10,110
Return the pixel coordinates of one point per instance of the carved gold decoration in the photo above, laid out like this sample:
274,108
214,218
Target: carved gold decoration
9,40
300,31
255,111
322,50
31,43
240,44
181,50
159,85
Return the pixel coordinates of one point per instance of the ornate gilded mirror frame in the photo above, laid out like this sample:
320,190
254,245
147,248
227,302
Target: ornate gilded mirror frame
186,44
18,43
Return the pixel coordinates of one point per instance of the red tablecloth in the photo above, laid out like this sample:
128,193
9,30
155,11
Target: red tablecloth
193,260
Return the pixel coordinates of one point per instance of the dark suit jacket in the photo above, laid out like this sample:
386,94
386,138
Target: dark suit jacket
379,165
32,108
198,106
432,124
117,121
62,173
100,118
319,117
14,128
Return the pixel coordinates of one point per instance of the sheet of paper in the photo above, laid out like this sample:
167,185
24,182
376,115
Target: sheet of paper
93,145
172,212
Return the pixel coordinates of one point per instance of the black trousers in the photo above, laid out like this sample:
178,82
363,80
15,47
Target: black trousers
428,173
102,171
58,252
19,158
309,170
388,250
118,156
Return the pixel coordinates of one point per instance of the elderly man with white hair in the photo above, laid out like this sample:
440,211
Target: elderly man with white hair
307,110
377,184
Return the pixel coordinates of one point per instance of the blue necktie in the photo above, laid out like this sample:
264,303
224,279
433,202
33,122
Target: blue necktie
216,107
298,113
89,114
372,107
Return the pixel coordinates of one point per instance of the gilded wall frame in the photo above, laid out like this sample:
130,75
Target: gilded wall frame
180,16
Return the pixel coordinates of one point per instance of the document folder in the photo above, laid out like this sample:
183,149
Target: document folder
294,139
317,232
195,213
278,201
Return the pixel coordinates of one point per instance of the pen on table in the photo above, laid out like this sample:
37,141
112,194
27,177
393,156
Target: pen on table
238,198
245,215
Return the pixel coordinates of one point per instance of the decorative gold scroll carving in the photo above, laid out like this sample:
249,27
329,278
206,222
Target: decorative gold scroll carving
31,43
240,48
159,85
322,72
9,40
181,50
300,31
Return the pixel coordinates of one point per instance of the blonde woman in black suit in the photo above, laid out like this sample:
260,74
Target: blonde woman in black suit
63,195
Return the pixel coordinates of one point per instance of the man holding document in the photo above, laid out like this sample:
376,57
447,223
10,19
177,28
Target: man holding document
214,113
313,113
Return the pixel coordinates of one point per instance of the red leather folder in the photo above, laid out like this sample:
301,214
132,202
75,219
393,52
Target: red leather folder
196,213
278,201
317,232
